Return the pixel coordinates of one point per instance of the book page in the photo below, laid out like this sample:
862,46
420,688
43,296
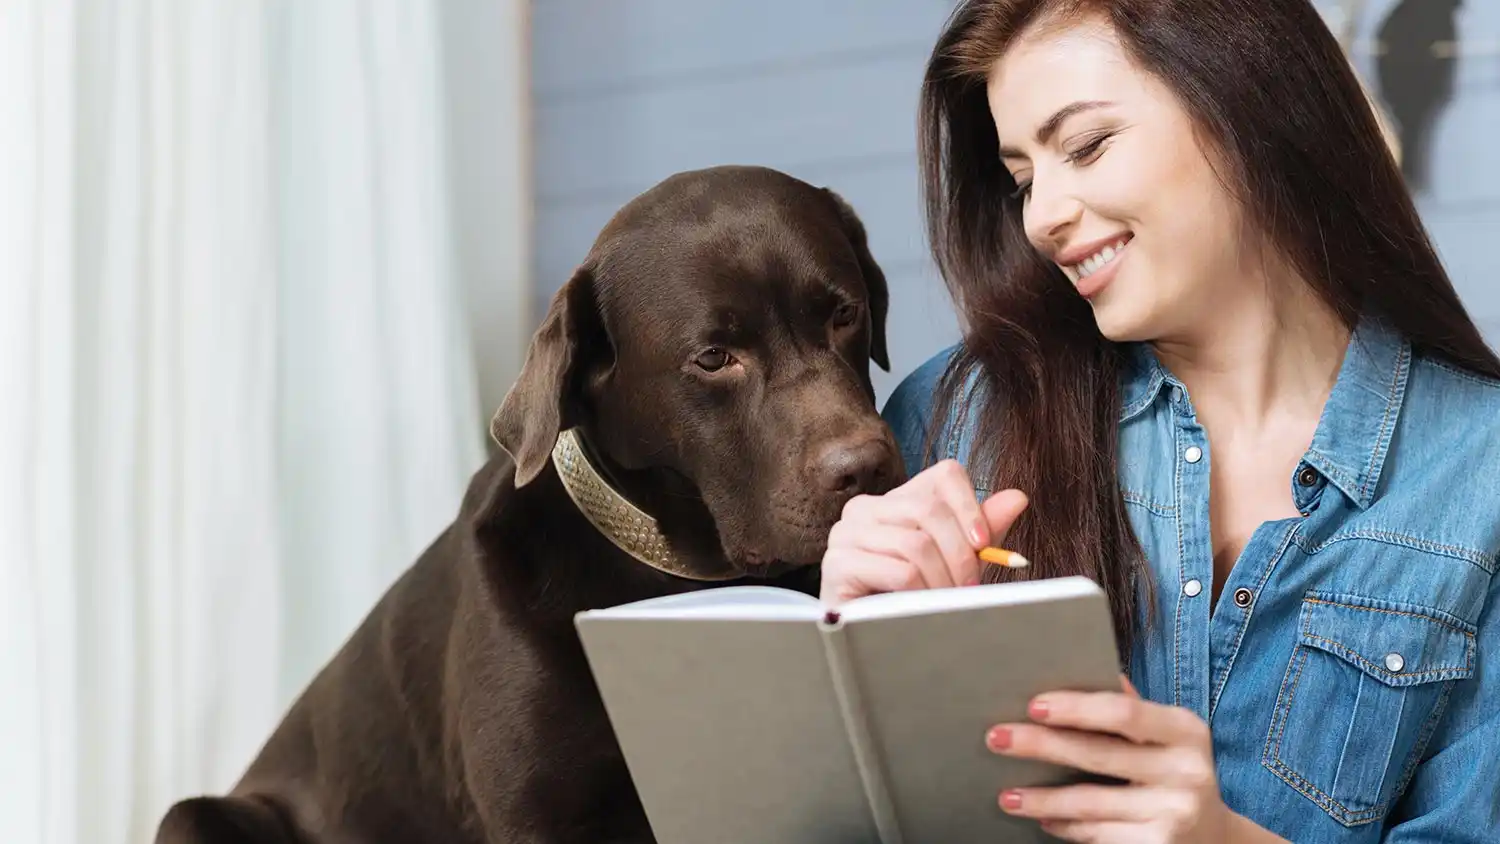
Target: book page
925,601
731,729
744,603
932,683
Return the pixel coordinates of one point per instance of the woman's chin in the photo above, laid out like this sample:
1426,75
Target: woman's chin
1118,322
1119,326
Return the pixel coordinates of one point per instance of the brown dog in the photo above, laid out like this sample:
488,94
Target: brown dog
706,365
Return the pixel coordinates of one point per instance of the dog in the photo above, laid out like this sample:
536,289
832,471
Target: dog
694,410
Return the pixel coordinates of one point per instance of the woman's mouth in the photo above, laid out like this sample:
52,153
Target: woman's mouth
1093,273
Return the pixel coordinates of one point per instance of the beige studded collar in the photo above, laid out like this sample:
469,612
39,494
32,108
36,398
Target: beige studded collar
621,522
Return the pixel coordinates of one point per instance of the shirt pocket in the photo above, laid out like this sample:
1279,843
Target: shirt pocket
1365,686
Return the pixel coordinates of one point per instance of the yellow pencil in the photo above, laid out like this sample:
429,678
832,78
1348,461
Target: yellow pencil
1002,557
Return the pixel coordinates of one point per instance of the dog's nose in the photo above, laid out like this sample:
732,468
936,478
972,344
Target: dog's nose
854,467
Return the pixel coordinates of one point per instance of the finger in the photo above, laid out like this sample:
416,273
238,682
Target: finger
1090,802
1098,753
945,505
1000,512
915,525
950,482
1095,832
1121,714
850,573
940,520
917,546
1129,687
901,507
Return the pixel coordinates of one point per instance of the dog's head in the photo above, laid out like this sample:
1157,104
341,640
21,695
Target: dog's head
714,350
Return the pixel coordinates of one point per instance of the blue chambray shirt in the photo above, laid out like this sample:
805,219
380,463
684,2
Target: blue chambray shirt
1344,671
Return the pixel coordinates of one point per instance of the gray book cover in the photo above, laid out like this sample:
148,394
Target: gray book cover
747,714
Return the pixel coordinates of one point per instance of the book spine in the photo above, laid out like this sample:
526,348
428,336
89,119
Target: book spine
857,723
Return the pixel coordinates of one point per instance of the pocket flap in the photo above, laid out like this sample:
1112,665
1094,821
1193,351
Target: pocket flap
1397,644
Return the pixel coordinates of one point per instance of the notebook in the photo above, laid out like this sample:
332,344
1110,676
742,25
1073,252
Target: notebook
750,714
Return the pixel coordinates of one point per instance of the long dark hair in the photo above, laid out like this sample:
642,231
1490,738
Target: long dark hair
1266,84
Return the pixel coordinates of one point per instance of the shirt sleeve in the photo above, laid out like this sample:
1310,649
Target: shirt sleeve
910,412
1454,794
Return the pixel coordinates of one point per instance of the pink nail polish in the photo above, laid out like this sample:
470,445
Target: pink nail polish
1038,710
1010,800
998,739
976,535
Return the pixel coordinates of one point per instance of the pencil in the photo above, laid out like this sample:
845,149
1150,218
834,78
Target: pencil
1002,557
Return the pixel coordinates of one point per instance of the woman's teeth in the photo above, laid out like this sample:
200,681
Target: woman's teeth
1096,261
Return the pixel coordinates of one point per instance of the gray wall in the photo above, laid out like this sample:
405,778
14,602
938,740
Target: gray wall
626,92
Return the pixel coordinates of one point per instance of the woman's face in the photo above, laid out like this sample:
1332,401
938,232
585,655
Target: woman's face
1116,189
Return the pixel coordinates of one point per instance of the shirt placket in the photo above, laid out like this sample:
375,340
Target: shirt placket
1194,557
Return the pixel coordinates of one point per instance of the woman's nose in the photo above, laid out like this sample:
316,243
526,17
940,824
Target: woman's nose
1049,215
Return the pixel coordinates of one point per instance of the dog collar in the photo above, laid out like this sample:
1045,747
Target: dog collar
622,523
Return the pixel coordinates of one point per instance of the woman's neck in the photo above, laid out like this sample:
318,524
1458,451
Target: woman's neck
1268,357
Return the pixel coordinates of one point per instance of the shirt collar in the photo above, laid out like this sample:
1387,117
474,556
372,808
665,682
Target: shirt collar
1354,434
1142,380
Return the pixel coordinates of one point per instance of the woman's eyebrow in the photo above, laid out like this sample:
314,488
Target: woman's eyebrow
1050,126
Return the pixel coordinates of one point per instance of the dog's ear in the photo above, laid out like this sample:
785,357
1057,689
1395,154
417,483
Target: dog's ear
880,296
544,399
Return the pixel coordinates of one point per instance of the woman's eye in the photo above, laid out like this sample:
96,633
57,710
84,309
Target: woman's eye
845,315
1022,191
713,360
1088,151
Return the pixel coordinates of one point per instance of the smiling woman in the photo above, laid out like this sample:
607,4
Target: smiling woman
1210,360
1121,154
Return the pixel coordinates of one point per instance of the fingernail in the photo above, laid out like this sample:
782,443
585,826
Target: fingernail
1010,800
998,739
973,581
976,535
1038,710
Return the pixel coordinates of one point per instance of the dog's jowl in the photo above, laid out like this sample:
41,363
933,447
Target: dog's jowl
695,410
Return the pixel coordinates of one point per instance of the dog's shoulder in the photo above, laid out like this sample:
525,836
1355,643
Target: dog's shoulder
488,488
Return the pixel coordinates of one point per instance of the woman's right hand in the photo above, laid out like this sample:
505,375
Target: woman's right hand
924,534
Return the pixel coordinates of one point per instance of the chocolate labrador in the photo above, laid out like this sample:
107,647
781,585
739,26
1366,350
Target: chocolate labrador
694,410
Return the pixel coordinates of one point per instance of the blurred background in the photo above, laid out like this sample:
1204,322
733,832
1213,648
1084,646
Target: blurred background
266,268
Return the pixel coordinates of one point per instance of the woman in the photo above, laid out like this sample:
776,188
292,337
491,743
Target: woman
1210,360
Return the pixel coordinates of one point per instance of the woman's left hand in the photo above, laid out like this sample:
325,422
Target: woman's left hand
1163,753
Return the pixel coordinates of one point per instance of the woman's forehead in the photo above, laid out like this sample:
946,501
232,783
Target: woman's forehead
1049,69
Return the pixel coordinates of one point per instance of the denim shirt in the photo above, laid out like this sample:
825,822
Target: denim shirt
1343,671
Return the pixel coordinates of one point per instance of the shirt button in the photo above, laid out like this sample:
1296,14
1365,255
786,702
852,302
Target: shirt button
1177,395
1308,476
1192,588
1193,454
1394,662
1242,597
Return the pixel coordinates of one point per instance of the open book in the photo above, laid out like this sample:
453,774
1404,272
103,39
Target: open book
749,714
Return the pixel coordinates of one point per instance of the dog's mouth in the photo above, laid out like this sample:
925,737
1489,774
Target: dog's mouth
764,571
760,567
790,535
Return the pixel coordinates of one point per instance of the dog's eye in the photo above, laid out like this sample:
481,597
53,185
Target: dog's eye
845,315
713,360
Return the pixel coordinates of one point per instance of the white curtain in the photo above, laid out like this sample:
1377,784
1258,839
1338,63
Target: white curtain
236,389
